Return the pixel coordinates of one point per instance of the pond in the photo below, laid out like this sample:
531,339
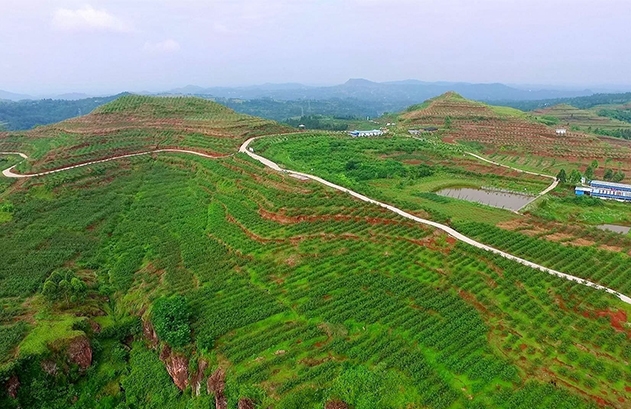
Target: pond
615,228
504,200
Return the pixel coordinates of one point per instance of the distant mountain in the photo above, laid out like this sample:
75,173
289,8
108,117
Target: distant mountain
400,93
10,96
26,114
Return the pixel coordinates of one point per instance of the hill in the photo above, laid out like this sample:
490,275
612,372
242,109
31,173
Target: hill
515,133
135,123
178,281
26,114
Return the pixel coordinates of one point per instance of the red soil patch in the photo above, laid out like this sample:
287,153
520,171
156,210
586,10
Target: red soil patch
618,318
470,298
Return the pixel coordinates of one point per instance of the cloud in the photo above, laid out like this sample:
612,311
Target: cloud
167,46
88,18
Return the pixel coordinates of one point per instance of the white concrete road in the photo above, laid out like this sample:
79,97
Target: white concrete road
246,149
550,188
10,174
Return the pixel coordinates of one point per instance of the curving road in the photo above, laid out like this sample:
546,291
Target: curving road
10,174
453,233
247,150
550,188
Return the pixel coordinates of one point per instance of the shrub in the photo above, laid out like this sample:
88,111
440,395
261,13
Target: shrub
170,317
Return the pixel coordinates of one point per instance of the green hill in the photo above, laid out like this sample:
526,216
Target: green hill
134,123
177,281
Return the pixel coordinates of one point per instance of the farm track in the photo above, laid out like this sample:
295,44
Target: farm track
453,233
272,165
550,188
10,174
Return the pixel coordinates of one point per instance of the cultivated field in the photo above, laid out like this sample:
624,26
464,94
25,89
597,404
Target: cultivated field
202,282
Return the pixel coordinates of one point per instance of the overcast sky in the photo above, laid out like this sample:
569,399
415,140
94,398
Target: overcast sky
107,46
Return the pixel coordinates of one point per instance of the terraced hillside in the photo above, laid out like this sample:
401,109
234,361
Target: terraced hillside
512,133
179,281
583,119
136,123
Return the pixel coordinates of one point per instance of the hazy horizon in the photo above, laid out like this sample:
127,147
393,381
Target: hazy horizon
105,47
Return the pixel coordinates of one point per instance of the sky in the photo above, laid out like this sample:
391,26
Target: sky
110,46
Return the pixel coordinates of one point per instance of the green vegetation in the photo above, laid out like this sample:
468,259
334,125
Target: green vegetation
170,317
398,170
23,115
135,123
299,294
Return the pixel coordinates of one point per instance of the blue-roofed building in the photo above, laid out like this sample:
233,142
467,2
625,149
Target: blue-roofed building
610,190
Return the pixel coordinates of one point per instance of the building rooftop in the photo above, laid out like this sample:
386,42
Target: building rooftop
611,184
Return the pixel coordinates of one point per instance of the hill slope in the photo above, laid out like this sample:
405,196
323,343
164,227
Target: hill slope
174,281
512,132
135,123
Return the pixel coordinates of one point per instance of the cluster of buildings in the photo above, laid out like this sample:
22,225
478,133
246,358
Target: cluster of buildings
605,190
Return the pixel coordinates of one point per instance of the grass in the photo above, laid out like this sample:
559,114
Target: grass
48,332
587,211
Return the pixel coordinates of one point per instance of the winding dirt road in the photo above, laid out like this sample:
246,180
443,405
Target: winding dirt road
247,150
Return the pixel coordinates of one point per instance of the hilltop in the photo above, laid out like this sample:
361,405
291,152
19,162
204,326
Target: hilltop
514,133
134,123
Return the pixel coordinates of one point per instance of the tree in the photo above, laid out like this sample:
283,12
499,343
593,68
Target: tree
562,176
64,285
608,174
448,122
170,318
589,173
618,176
575,177
594,164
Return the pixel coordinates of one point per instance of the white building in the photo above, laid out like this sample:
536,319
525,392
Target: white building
562,131
374,132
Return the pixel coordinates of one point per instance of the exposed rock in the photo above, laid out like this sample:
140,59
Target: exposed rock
13,385
196,379
216,385
50,367
80,352
150,333
95,326
177,367
246,403
336,404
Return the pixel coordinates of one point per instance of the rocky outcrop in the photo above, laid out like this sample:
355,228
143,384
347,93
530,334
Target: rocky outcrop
246,403
196,378
13,385
150,334
216,385
336,404
176,365
80,352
